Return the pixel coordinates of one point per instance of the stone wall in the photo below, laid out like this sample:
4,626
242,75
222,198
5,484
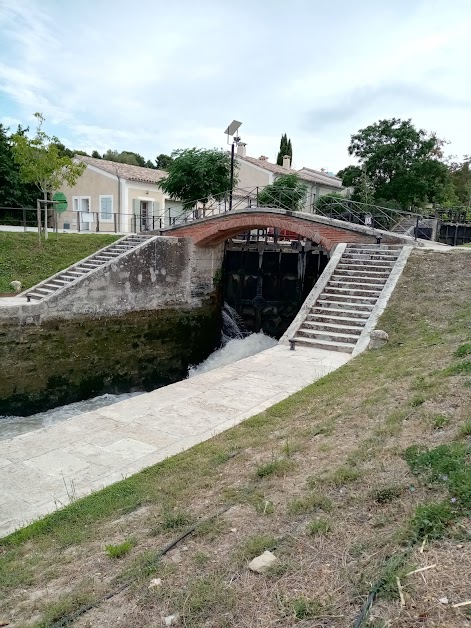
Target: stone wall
66,360
136,323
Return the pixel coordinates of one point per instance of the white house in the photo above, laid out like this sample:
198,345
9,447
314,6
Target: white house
257,173
115,197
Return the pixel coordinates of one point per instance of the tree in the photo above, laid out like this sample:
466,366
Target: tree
400,161
286,148
41,164
198,174
13,192
460,173
163,162
96,155
287,192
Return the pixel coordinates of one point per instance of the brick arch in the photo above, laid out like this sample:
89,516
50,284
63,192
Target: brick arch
214,230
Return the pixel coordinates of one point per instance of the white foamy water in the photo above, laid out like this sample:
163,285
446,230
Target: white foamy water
237,343
233,350
11,426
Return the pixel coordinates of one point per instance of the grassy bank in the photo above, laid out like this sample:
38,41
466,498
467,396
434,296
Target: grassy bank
23,259
356,481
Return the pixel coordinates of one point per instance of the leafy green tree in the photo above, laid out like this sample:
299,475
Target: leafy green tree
460,173
96,155
286,148
287,192
13,192
400,161
163,161
198,174
41,164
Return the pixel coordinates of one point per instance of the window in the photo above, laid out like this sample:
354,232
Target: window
81,203
106,207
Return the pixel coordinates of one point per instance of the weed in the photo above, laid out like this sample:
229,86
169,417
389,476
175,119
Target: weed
430,520
212,528
463,368
206,598
175,519
275,467
339,477
256,545
395,567
304,608
417,400
118,551
265,507
309,503
439,421
463,351
324,429
387,494
66,605
465,429
437,463
319,526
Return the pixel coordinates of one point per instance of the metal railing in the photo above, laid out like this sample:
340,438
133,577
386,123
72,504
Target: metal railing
336,208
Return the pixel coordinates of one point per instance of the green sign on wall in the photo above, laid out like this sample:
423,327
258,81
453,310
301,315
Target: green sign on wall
61,204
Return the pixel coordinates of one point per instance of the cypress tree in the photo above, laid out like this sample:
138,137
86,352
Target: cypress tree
285,149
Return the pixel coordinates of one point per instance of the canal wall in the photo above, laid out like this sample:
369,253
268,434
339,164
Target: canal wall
136,324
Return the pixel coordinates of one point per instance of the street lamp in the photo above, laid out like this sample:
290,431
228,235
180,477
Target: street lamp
231,131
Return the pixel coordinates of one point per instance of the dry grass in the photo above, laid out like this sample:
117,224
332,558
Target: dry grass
331,454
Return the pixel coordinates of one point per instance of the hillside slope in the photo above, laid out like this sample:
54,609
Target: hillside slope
359,479
23,259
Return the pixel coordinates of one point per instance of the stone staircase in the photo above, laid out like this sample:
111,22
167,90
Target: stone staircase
83,268
337,318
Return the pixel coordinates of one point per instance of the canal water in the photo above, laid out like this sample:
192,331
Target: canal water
237,343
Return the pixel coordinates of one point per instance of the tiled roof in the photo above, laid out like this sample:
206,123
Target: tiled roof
306,174
266,165
126,171
317,176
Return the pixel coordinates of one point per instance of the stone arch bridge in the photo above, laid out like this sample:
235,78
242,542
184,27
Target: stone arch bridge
326,232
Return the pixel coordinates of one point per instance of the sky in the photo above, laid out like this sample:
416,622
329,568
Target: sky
154,76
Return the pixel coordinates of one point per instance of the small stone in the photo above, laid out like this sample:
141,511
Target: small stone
16,285
155,582
262,563
443,600
176,556
4,622
233,529
171,620
378,338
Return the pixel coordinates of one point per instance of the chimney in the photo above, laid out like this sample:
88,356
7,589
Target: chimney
286,162
241,149
263,158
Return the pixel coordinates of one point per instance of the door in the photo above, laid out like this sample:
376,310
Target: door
146,216
84,216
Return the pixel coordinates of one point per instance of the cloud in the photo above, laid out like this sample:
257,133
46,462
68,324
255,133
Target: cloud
391,96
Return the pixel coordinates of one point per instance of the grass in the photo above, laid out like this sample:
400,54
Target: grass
120,550
371,474
23,259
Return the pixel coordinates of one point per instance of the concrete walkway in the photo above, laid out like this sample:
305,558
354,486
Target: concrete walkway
42,470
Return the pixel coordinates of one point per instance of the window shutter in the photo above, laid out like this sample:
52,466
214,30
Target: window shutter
136,206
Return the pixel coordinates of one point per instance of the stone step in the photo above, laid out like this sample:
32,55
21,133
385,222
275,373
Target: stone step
328,345
330,317
69,277
355,280
333,327
45,291
89,265
348,298
376,247
343,305
52,287
352,290
364,271
59,282
364,261
35,295
319,334
389,255
346,265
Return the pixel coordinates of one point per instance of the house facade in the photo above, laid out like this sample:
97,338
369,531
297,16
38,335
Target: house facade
257,173
114,197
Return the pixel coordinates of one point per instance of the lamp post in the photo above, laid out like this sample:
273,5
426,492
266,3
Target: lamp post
231,131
